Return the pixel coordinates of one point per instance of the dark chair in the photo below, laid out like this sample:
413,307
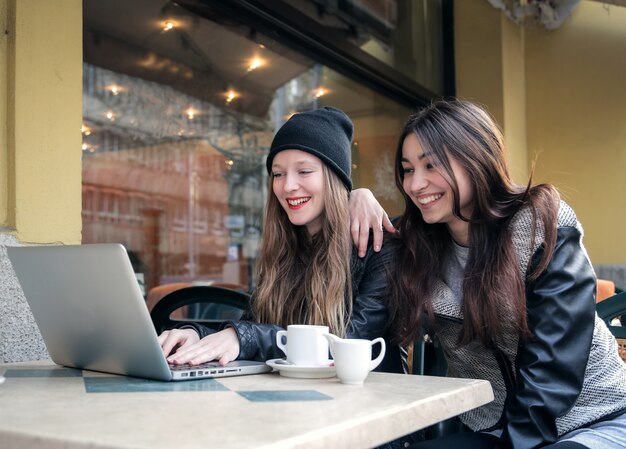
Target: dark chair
611,308
208,305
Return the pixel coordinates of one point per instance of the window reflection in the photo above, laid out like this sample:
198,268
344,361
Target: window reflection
406,35
179,113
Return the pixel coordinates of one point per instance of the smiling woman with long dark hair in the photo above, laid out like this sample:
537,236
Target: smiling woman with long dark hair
498,274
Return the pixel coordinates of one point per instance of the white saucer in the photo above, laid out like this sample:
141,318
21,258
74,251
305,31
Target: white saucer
302,371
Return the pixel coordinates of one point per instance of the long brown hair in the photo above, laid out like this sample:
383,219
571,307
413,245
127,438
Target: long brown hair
305,279
493,288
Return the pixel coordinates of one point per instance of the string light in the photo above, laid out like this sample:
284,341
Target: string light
115,89
320,92
168,25
191,113
110,115
255,63
230,96
85,130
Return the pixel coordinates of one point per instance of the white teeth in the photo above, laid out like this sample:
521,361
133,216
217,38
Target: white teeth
429,199
298,201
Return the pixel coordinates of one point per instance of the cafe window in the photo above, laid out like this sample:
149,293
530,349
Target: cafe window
181,101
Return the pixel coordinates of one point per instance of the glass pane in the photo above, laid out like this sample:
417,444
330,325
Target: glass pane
406,35
178,120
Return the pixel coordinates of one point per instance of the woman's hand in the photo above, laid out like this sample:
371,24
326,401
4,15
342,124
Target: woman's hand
222,346
366,213
176,339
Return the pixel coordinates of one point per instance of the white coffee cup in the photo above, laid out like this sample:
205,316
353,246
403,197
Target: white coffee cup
305,344
353,358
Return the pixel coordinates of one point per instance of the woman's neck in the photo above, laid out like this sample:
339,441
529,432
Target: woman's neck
459,231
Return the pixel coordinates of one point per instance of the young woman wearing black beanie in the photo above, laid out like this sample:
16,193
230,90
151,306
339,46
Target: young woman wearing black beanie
308,271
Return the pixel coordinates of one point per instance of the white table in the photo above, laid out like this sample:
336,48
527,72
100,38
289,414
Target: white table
59,412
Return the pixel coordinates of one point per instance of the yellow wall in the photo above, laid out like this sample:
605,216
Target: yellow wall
478,54
560,96
576,97
4,183
40,120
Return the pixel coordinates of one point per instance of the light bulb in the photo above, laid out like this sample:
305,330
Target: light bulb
320,92
231,95
255,63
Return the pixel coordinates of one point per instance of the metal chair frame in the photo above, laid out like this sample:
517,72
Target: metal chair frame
610,308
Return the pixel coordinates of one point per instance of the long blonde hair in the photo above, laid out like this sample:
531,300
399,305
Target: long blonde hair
305,279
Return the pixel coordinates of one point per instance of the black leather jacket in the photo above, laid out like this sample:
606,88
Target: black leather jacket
369,317
569,374
556,372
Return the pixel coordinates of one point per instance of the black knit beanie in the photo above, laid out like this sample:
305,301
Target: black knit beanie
325,133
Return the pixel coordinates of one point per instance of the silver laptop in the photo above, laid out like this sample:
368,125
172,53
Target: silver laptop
88,305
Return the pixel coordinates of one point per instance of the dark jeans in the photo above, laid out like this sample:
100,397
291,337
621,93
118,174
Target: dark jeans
471,440
464,440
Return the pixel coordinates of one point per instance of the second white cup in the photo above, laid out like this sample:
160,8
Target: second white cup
305,344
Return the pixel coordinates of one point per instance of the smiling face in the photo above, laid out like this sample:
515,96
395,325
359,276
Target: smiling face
430,191
298,183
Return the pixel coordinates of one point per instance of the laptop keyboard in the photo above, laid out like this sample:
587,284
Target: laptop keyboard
186,366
